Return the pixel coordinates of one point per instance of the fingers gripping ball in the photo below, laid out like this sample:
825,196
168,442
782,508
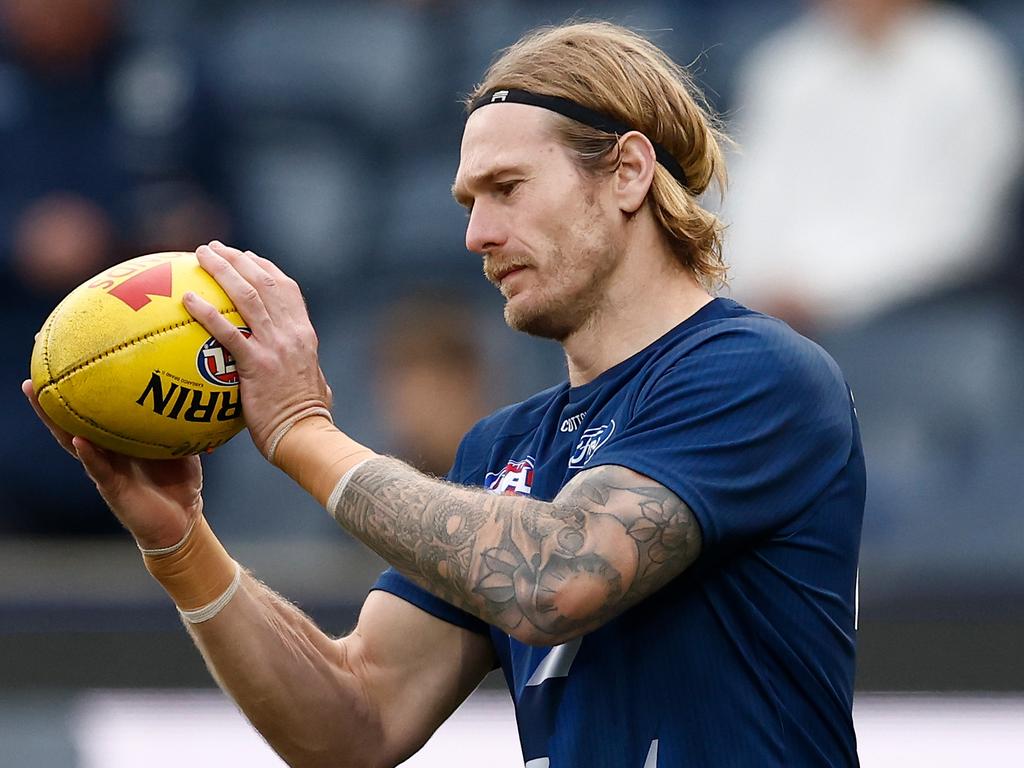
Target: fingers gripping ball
121,362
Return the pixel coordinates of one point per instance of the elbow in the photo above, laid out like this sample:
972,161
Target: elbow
311,756
573,610
323,750
320,749
331,759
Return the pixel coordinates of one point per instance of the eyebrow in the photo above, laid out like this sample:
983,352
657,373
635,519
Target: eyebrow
484,180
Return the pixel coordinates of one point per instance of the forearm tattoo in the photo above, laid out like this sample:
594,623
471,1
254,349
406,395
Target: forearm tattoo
609,539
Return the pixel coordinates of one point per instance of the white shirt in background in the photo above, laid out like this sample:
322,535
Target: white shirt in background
870,172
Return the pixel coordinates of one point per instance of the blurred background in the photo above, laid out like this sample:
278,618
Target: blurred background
876,204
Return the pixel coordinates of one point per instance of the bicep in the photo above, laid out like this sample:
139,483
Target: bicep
645,532
556,570
416,668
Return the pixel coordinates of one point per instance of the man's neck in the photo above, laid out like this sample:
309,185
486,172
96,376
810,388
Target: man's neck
653,297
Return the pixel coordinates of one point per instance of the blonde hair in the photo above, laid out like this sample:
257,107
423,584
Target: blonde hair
619,73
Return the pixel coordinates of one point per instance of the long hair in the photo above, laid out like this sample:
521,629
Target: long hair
618,72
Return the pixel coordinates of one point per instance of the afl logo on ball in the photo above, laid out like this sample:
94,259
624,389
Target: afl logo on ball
216,364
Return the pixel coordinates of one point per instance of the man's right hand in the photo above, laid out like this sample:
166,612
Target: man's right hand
155,499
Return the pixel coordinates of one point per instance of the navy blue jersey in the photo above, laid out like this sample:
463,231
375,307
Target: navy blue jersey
746,658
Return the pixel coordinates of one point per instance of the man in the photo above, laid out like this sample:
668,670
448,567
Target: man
419,366
856,154
663,556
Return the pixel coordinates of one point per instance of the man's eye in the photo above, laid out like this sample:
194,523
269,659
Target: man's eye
508,187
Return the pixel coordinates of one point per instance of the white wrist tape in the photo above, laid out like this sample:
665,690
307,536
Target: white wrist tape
197,572
171,549
211,609
282,430
335,498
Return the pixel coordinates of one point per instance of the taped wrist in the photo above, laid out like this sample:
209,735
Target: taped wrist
333,504
275,438
197,572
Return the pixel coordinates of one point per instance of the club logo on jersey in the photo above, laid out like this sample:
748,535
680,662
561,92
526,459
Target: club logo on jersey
516,479
216,364
592,439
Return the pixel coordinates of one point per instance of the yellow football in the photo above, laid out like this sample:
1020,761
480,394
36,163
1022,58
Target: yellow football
122,363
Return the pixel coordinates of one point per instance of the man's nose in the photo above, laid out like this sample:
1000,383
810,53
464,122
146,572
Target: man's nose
485,230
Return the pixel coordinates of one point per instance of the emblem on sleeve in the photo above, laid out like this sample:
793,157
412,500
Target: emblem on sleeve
591,440
516,479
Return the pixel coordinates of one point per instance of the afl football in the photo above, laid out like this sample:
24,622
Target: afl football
122,363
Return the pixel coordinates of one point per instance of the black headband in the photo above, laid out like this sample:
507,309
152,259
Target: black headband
580,114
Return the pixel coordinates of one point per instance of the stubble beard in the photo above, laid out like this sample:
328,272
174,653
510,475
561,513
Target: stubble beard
557,314
564,304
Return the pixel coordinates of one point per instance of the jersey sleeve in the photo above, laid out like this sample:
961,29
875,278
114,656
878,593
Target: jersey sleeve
398,585
748,428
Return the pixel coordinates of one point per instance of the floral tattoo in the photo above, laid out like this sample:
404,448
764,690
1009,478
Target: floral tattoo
545,571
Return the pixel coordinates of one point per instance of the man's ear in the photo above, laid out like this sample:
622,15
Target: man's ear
635,174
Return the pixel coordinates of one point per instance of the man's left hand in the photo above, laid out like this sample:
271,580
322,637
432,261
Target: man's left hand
280,380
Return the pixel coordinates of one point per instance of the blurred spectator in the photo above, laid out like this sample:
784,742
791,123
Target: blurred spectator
430,381
409,374
873,199
101,160
881,140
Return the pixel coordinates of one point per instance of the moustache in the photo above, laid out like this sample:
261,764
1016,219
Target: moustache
494,271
